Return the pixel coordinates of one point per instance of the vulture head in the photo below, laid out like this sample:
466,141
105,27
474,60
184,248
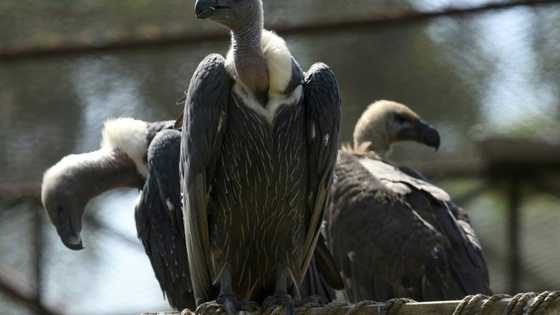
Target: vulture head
71,183
236,15
65,199
387,122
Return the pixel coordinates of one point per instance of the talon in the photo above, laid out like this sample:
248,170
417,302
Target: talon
230,307
290,309
211,307
314,300
249,306
285,301
229,303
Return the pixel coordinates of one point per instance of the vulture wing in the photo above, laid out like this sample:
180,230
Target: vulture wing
322,277
468,269
159,220
446,264
204,122
380,242
163,162
322,114
401,182
469,272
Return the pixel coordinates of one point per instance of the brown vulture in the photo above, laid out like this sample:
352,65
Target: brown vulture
393,233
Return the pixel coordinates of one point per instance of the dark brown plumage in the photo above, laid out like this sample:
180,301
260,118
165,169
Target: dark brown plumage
258,150
393,233
75,180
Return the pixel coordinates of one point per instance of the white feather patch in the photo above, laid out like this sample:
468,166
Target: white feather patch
398,181
274,102
129,136
279,62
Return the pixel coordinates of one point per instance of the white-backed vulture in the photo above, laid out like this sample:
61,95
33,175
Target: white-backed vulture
145,155
259,146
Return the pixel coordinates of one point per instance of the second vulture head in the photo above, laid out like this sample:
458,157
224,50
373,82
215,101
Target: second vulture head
234,14
70,184
387,122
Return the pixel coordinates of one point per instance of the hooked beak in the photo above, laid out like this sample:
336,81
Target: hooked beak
70,238
422,132
204,8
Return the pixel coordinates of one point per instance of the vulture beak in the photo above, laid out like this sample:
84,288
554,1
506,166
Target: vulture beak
205,8
70,238
421,132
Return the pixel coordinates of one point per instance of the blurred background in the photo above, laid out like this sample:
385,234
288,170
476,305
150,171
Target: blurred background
473,68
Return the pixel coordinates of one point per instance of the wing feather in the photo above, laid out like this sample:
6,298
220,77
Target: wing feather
204,121
382,214
322,110
159,220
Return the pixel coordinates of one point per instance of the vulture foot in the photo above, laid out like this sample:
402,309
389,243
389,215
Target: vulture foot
282,300
393,306
315,300
233,306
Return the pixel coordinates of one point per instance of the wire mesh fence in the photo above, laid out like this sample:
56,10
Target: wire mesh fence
483,64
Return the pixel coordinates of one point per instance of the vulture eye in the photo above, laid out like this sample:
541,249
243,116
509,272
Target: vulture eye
400,119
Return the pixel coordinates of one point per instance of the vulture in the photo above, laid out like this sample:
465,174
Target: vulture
133,154
145,155
258,149
392,233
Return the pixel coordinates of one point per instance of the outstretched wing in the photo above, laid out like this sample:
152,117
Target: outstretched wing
204,122
322,114
159,220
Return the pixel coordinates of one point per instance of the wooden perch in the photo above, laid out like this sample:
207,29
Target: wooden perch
546,303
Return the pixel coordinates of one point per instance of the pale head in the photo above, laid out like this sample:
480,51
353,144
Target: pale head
386,122
236,15
71,183
65,199
77,178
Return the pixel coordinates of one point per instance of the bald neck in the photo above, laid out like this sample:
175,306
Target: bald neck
96,172
378,143
248,58
377,150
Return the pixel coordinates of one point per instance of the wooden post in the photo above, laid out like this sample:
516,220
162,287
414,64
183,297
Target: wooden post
12,287
424,308
513,231
38,244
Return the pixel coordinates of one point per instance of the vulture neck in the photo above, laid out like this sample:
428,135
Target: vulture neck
102,170
248,56
372,141
382,150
